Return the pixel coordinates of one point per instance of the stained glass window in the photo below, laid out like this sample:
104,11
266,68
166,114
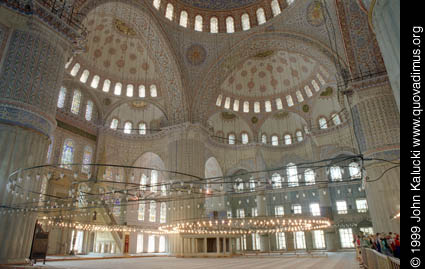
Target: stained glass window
246,24
261,17
106,85
95,81
183,19
169,11
292,173
198,23
67,154
114,124
62,97
154,92
275,8
214,25
89,110
87,159
230,25
76,101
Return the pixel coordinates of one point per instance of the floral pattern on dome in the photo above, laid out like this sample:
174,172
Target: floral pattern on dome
219,4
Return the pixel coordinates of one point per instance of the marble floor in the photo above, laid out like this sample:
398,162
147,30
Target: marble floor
339,260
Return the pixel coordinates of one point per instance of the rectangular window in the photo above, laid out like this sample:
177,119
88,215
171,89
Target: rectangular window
299,240
254,212
240,213
361,205
278,210
297,209
255,241
315,209
367,230
341,207
346,237
281,241
319,239
229,214
151,244
139,243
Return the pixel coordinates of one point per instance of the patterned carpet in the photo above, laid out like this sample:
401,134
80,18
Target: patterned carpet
345,260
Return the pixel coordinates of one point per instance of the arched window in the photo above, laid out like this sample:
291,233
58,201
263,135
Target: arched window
219,99
288,139
289,100
230,25
323,124
157,4
252,186
106,85
153,90
76,101
276,181
290,2
62,97
152,212
68,63
169,11
246,106
275,8
142,128
183,19
227,103
275,140
143,182
355,171
198,23
231,139
300,97
236,105
315,85
308,91
87,159
154,181
75,69
279,104
117,89
320,78
127,127
264,138
246,24
335,119
114,124
95,82
292,174
268,106
213,25
67,154
142,91
130,89
261,16
239,185
245,138
84,76
309,177
336,173
141,212
257,108
89,110
163,213
299,136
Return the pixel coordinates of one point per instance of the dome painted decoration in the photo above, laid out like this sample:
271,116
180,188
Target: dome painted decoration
218,4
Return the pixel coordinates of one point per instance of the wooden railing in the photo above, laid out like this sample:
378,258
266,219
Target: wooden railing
372,259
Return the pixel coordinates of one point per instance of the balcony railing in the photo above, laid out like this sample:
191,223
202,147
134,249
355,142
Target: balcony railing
372,259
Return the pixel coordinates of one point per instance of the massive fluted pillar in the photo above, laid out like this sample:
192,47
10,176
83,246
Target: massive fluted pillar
32,59
377,127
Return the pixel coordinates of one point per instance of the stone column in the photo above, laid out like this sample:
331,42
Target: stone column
218,245
205,245
308,240
224,245
32,66
386,26
377,127
264,242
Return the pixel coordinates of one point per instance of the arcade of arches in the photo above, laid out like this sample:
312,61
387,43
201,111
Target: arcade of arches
197,128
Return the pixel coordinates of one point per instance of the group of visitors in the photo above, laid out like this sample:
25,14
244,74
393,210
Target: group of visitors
387,244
